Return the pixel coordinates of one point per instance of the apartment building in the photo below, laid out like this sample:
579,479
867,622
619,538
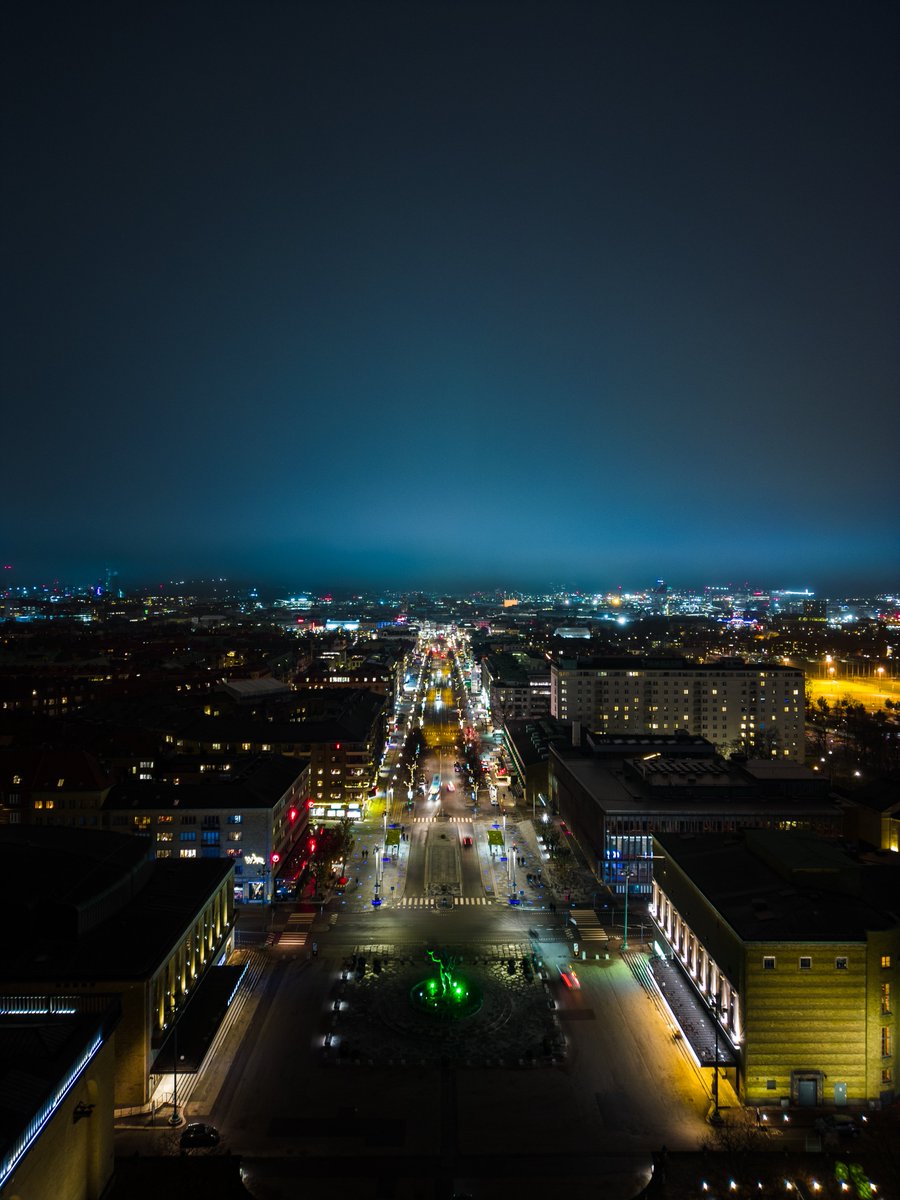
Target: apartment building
759,709
250,810
515,686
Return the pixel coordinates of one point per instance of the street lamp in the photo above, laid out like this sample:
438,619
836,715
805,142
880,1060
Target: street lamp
627,874
175,1118
714,1005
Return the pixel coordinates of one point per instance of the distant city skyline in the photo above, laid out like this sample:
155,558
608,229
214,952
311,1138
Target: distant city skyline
453,296
111,582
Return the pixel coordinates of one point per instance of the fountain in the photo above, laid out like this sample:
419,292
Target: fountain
448,996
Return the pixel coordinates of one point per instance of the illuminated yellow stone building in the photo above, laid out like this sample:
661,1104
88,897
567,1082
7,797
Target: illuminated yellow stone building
795,942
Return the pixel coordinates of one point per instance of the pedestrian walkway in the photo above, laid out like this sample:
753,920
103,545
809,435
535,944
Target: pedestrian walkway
692,1013
440,901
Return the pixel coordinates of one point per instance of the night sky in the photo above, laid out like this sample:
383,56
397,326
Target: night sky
452,293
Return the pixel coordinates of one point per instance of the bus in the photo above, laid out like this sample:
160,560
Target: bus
435,790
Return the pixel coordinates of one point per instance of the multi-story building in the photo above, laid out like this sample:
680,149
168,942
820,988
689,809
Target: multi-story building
736,705
616,792
515,686
794,943
250,810
344,745
49,786
94,913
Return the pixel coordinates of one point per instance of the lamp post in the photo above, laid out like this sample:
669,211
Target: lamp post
627,874
175,1118
714,1005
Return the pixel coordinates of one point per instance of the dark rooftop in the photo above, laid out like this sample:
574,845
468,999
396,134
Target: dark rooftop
89,906
258,782
773,886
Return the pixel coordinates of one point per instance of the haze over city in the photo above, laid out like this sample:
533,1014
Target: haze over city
452,294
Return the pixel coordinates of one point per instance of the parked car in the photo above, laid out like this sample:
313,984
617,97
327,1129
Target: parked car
197,1135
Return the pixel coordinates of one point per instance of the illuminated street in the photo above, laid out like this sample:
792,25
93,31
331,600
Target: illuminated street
622,1087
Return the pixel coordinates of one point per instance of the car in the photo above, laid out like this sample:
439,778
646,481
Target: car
569,978
197,1135
467,841
839,1123
496,803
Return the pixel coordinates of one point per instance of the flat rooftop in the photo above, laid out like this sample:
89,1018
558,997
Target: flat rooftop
640,786
41,948
772,886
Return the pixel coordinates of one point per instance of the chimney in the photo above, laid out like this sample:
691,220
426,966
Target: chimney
576,733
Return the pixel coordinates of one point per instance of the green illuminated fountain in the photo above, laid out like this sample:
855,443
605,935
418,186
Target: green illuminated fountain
448,996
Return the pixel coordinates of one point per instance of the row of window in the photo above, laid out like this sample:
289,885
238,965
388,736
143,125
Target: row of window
841,963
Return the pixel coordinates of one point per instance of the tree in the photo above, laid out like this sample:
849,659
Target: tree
736,1145
551,839
344,841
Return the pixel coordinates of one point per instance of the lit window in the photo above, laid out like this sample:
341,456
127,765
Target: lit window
885,998
885,960
187,853
887,1041
60,783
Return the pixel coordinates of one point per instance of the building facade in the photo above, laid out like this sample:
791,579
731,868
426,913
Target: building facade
149,933
249,810
793,944
617,792
737,706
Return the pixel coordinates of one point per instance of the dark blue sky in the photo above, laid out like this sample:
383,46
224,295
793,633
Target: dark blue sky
459,293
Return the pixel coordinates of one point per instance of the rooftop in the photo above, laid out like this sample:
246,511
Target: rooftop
95,908
258,783
772,886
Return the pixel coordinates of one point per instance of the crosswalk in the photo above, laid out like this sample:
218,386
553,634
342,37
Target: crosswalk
296,933
589,927
438,901
432,820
